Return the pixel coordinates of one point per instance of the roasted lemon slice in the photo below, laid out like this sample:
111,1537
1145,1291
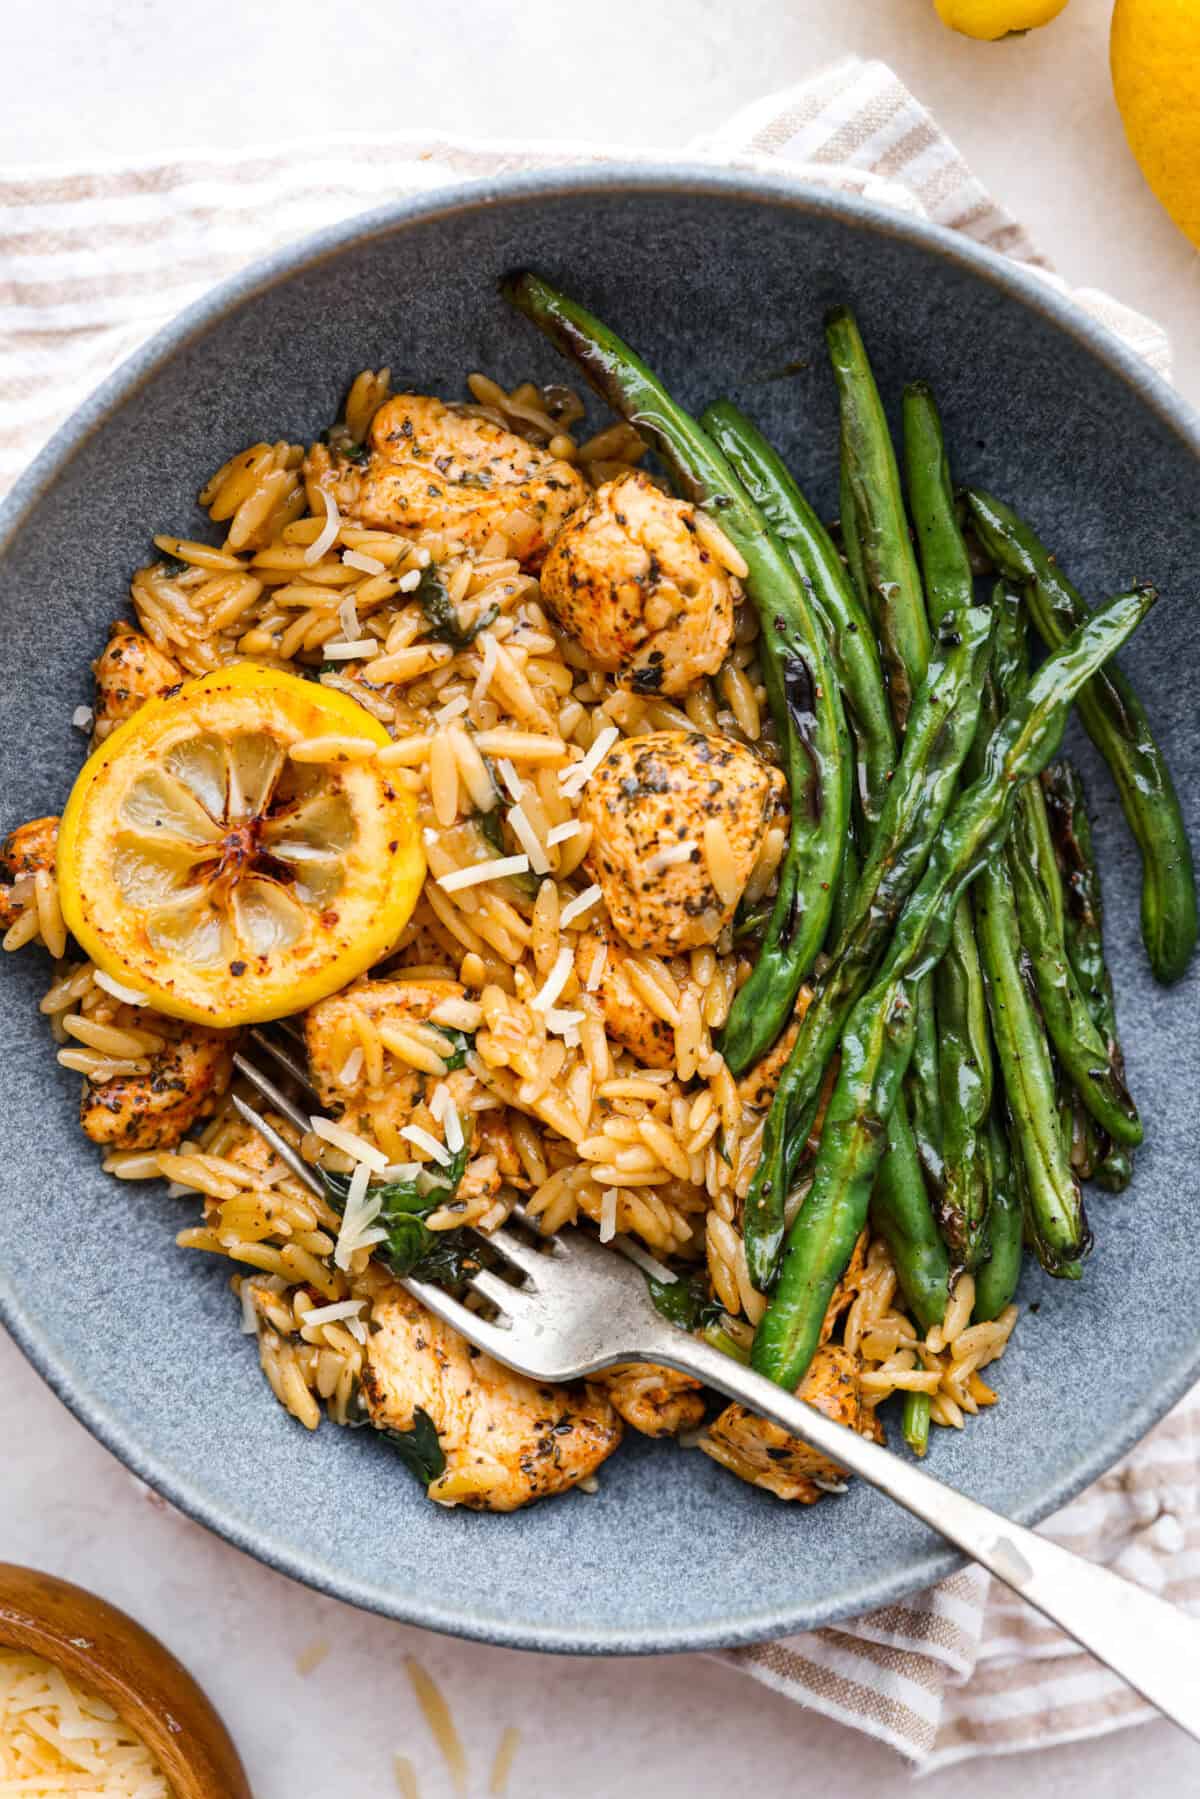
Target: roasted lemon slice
234,851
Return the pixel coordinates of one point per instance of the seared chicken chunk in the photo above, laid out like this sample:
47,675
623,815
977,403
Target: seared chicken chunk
506,1440
628,1020
155,1110
130,672
26,852
381,1110
757,1086
766,1456
628,576
678,820
434,467
658,1402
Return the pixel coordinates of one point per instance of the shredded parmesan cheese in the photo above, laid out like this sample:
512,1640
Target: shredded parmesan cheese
343,1308
347,652
529,840
560,833
573,780
57,1736
512,780
452,709
348,618
583,902
350,1143
555,981
596,971
329,530
370,565
489,654
671,857
608,1215
478,872
412,1133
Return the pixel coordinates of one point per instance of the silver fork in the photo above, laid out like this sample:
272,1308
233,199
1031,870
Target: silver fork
574,1308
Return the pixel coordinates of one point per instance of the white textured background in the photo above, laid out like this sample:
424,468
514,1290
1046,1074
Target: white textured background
1036,119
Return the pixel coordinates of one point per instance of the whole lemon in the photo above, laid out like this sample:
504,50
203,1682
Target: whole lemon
1155,53
997,18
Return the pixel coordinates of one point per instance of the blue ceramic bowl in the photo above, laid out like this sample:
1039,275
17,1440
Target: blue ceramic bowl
721,280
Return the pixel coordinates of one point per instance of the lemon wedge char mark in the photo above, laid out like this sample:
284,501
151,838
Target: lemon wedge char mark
204,865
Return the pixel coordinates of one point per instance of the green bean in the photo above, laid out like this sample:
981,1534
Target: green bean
1083,933
1079,1044
900,1214
1024,1057
1116,722
870,475
998,1273
851,547
964,1049
1081,1049
924,1089
914,1425
799,679
940,730
878,1039
965,1066
851,638
945,563
1052,1203
827,1226
1086,1143
843,899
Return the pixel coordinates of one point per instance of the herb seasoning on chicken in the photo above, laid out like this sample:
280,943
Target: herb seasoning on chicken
678,819
630,576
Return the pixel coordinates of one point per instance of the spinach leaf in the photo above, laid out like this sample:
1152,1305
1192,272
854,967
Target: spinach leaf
342,444
749,921
172,566
419,1448
491,830
442,613
489,827
410,1247
461,1044
685,1302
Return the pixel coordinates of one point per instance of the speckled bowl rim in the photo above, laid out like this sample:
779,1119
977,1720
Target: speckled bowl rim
757,188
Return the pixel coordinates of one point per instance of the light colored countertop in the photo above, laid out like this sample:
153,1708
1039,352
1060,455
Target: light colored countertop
1036,120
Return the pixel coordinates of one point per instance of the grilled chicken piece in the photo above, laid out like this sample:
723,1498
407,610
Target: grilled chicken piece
26,852
401,1098
757,1087
846,1291
766,1456
155,1110
130,672
652,804
658,1402
628,1020
434,467
628,576
505,1439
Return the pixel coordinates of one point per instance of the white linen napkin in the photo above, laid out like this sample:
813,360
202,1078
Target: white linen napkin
93,260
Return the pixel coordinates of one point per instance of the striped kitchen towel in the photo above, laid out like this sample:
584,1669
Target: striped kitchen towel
93,259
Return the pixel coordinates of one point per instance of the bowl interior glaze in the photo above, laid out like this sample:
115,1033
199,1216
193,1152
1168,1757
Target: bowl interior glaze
721,281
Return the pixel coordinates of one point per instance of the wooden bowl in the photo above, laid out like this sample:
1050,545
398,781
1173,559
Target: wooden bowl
139,1678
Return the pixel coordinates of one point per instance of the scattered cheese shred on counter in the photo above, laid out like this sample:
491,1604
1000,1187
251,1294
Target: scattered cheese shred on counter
57,1736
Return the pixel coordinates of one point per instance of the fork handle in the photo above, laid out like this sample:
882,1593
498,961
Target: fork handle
1149,1643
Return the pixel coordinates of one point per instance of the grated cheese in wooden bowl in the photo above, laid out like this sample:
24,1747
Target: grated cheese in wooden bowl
57,1737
